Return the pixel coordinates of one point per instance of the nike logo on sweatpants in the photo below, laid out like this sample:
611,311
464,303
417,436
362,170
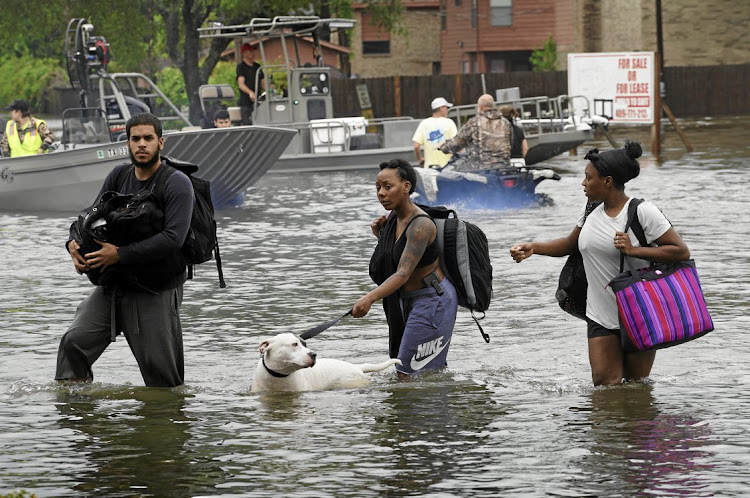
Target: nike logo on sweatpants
431,349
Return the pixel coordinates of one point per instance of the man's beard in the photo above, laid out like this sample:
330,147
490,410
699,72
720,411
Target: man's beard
144,165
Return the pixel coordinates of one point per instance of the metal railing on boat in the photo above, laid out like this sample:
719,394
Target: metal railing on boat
539,115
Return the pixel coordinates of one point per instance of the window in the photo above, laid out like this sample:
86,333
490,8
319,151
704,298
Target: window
311,84
502,62
443,16
375,39
376,47
501,12
470,66
496,65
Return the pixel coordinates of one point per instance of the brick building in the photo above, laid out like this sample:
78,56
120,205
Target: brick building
694,32
498,36
377,53
495,36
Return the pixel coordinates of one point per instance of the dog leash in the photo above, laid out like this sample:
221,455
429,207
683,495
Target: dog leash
323,326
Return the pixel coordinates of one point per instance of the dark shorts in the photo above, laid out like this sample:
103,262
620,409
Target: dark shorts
429,328
595,330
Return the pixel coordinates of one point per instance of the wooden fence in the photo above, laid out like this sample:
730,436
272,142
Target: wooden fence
691,91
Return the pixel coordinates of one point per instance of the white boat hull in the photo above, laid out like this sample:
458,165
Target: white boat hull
541,148
340,161
232,159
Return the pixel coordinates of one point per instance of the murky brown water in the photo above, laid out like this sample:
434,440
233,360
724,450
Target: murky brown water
517,417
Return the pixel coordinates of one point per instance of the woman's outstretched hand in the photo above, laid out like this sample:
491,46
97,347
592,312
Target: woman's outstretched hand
519,252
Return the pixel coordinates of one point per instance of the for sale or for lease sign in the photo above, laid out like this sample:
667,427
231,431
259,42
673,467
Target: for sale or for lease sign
619,85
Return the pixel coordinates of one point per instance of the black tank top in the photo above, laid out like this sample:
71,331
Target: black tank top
431,252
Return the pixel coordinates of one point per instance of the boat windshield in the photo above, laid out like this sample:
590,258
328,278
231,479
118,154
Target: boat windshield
313,83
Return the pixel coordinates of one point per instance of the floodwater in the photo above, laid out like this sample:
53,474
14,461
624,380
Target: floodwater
515,417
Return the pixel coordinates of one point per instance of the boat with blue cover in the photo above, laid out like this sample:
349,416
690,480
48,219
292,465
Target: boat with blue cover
495,188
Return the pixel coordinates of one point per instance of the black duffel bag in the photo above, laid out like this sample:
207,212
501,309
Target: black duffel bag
118,219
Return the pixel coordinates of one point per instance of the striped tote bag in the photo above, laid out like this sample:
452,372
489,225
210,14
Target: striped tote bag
660,306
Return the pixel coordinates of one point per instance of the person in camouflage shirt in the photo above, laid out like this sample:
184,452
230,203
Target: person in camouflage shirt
486,137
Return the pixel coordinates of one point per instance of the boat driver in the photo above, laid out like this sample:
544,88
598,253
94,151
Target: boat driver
486,136
248,73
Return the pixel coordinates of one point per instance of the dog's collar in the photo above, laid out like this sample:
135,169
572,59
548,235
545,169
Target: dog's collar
272,372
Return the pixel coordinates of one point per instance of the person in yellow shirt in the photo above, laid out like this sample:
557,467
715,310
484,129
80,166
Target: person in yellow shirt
432,132
24,134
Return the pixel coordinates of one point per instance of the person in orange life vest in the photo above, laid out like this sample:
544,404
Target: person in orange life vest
25,135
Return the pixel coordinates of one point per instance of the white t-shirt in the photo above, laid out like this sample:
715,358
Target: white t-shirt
602,260
431,133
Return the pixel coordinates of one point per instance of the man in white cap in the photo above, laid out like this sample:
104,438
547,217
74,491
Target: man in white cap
432,132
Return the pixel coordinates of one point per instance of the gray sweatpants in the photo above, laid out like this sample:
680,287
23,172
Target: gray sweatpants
151,324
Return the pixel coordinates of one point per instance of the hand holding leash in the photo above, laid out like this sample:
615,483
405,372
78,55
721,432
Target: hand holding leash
323,326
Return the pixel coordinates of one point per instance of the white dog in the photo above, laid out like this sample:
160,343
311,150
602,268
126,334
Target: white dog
287,365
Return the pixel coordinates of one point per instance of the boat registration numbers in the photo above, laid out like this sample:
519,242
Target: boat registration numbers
6,175
109,153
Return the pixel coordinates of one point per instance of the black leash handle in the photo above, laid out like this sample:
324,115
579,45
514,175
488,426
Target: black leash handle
323,326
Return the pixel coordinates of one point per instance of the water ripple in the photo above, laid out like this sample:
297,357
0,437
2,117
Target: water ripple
517,416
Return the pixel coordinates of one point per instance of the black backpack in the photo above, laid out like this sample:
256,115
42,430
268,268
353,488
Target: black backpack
572,284
465,260
201,243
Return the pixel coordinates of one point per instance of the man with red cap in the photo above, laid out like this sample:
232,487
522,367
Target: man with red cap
249,79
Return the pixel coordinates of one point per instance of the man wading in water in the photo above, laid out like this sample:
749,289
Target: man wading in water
147,313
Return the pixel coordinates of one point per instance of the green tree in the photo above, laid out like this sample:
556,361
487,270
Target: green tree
545,58
151,35
182,39
27,30
182,20
27,78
